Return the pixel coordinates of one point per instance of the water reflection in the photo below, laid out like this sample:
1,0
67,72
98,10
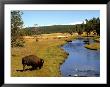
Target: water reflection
81,61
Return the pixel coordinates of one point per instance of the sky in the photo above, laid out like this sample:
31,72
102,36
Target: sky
57,17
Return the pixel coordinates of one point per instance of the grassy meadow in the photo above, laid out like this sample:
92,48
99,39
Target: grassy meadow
46,47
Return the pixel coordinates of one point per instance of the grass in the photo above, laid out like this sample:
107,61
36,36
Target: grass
47,49
96,39
93,46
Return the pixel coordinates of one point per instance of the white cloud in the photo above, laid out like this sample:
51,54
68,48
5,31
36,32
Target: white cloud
78,22
72,23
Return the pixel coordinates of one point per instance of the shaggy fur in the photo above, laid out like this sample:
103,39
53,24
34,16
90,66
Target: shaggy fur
33,61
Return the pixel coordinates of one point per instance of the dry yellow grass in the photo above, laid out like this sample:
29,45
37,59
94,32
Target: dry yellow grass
48,50
93,46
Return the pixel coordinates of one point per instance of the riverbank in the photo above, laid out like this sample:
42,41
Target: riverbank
93,46
81,62
47,49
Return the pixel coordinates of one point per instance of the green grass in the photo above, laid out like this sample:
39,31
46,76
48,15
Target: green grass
48,49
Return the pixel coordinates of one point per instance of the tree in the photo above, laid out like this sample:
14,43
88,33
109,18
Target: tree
97,26
93,25
16,25
87,27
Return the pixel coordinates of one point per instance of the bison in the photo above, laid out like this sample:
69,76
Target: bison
33,61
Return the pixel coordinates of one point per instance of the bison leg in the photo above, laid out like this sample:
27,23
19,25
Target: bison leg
24,67
33,67
40,67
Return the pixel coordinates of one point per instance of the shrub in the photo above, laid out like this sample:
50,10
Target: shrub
18,43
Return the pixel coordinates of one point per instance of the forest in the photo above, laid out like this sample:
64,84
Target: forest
91,25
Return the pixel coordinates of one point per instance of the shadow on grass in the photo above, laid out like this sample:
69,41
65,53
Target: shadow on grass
29,69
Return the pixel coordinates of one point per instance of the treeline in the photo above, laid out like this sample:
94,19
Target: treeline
48,29
91,25
51,29
17,30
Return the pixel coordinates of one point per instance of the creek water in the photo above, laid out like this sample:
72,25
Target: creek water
81,62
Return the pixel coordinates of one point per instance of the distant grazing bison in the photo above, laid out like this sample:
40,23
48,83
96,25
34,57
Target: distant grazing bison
33,61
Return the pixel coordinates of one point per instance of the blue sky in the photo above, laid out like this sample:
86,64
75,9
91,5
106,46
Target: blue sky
46,17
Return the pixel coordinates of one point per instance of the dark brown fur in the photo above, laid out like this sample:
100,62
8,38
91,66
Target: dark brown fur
33,61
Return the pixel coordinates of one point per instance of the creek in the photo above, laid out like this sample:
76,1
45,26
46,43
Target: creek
81,62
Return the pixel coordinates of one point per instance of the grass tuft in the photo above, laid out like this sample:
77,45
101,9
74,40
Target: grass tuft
93,46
